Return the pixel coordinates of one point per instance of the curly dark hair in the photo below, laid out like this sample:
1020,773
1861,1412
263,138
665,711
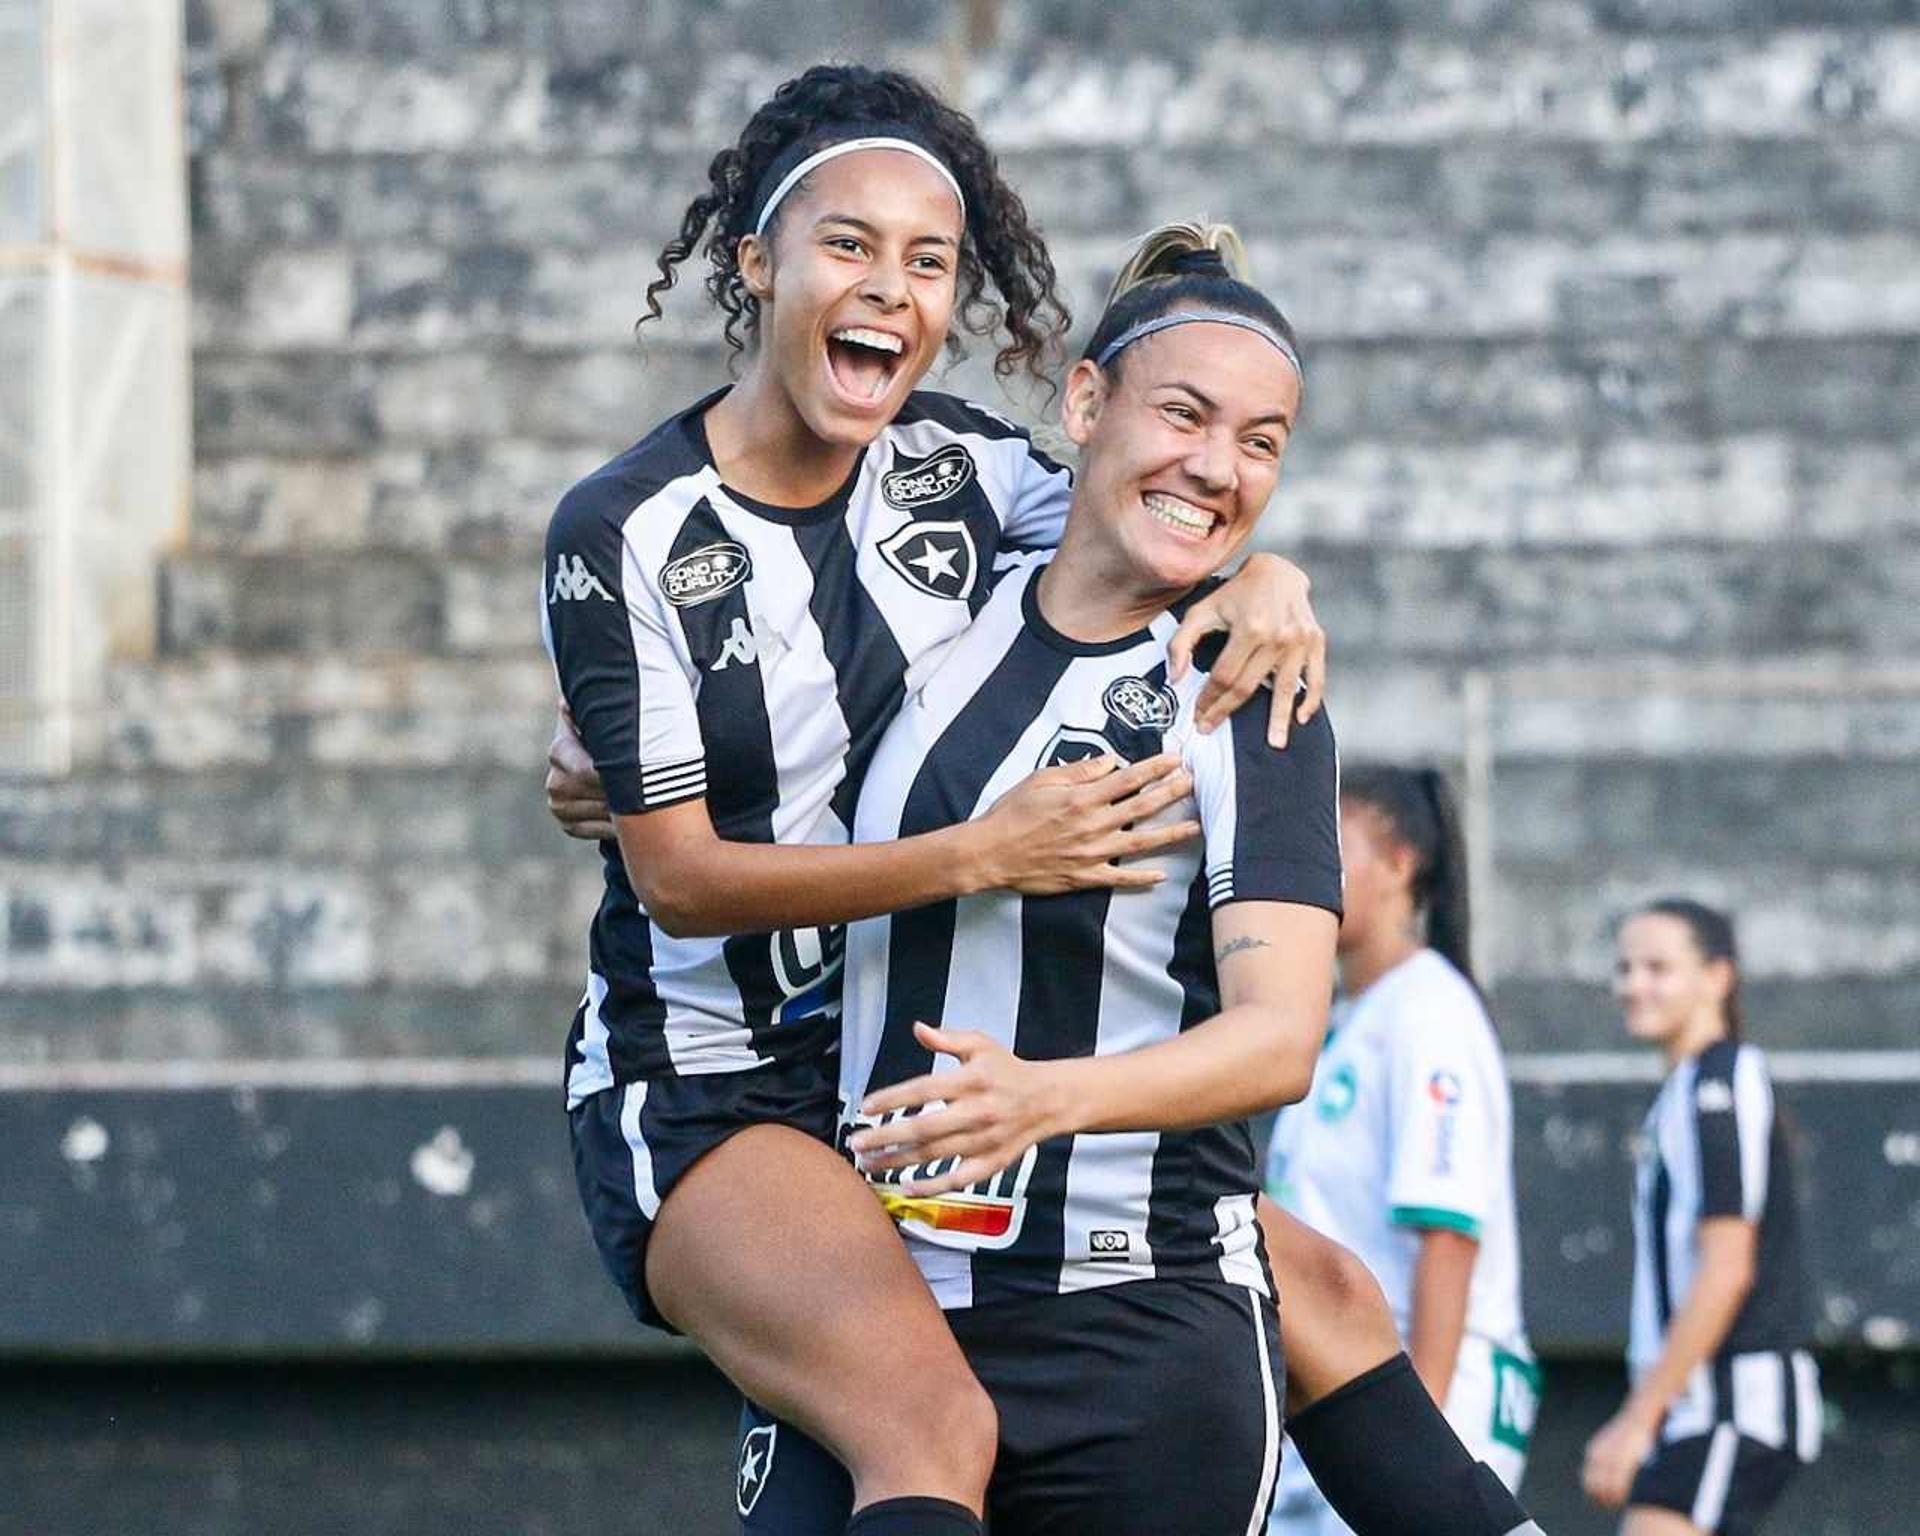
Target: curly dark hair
1000,242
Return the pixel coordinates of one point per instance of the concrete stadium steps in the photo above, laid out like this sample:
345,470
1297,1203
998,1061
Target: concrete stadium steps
1074,73
543,208
1500,605
215,709
1423,389
1351,285
279,922
1833,1010
1599,494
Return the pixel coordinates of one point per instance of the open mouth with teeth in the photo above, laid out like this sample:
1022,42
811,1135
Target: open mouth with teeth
863,362
1182,517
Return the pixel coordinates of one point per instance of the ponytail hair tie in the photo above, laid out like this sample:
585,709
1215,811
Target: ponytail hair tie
1204,262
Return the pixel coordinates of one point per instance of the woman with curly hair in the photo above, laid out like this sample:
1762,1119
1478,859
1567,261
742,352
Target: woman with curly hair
735,607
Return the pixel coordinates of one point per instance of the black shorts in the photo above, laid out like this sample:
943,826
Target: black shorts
1133,1410
633,1142
1724,1481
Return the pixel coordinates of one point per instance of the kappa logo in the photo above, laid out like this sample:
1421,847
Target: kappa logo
707,573
936,557
741,644
1714,1095
921,482
1074,744
572,581
1143,705
1108,1246
756,1466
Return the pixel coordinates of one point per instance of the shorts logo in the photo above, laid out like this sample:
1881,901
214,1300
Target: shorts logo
707,573
1714,1095
1335,1100
1143,705
988,1214
938,558
756,1467
1444,1089
921,482
1074,744
572,581
1109,1246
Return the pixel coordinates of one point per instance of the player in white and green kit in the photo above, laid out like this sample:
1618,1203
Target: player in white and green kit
1402,1149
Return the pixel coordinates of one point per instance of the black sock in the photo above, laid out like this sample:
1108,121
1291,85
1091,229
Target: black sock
1389,1462
914,1517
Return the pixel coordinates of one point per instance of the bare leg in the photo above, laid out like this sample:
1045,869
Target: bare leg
1335,1321
775,1258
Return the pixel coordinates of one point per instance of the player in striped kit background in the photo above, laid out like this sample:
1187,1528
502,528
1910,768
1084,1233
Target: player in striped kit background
1725,1404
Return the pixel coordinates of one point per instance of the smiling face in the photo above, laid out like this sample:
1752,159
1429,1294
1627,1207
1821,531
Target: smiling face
1181,444
1665,986
856,283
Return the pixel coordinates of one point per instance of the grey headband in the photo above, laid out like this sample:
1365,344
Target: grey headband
1175,317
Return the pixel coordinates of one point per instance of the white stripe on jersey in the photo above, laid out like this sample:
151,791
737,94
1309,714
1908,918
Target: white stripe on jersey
1809,1416
593,1071
1237,1224
1753,1107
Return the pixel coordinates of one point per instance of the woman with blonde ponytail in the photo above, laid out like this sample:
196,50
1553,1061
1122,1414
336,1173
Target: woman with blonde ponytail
1051,1094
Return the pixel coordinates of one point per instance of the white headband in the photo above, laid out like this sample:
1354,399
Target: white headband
847,147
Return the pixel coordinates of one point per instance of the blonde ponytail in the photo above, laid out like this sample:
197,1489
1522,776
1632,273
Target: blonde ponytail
1167,252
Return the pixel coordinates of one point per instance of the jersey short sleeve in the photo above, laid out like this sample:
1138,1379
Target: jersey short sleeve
1271,817
1444,1109
1036,514
1733,1119
612,643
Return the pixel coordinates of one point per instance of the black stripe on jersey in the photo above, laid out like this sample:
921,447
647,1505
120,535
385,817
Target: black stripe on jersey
1059,1017
869,668
742,790
1286,839
1171,1210
620,951
1660,1199
943,794
1716,1127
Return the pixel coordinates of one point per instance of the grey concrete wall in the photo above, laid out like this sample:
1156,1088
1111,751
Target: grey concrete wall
1614,329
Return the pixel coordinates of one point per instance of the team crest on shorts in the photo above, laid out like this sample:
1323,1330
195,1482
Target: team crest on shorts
921,482
935,556
1142,705
756,1466
1074,744
709,572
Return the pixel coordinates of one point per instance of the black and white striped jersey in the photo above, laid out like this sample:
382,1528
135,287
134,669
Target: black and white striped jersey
1713,1145
710,645
1085,973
